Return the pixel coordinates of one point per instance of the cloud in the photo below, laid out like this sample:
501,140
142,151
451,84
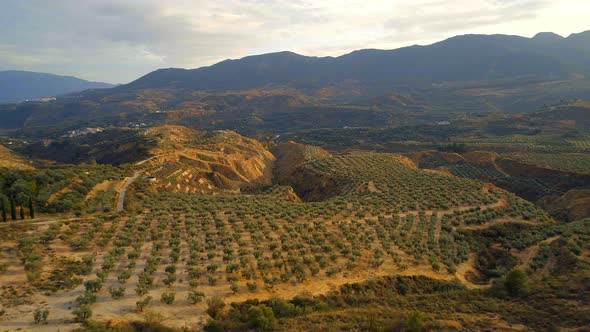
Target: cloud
120,40
427,21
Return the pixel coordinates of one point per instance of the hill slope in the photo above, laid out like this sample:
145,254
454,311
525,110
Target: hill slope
189,161
16,86
11,161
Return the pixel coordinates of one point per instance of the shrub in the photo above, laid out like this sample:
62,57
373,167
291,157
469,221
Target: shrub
516,283
234,288
140,305
86,299
82,314
117,293
170,279
282,308
195,297
215,307
261,317
252,286
141,289
168,298
40,316
93,285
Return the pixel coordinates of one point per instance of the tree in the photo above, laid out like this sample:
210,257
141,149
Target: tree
215,307
3,208
140,305
31,208
40,316
234,288
93,286
12,209
195,297
261,317
37,316
516,283
168,298
22,213
82,314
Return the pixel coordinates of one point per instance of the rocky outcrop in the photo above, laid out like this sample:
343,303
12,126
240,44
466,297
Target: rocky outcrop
185,160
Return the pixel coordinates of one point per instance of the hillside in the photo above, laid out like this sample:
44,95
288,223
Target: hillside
9,160
184,160
290,156
17,86
557,182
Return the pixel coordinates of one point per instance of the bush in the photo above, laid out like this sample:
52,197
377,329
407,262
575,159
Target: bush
86,299
168,298
251,286
82,314
261,317
516,283
40,316
117,293
140,305
234,288
93,286
195,297
215,307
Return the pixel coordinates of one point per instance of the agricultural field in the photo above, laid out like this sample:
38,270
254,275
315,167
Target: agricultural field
577,163
181,253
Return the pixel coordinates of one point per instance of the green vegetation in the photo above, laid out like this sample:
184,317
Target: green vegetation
58,188
430,251
579,163
40,316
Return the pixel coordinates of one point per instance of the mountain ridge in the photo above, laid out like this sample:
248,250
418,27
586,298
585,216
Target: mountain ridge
20,85
459,58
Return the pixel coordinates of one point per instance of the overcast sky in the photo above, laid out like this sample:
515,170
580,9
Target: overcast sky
118,41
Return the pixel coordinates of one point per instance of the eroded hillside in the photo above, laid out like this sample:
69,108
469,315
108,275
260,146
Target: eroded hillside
290,156
189,161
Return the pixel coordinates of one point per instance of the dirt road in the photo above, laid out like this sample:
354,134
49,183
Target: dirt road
121,200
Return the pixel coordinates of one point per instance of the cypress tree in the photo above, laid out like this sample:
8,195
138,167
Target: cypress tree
22,213
31,208
12,209
3,207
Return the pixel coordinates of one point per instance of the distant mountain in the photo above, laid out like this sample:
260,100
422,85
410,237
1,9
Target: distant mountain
461,58
16,86
285,92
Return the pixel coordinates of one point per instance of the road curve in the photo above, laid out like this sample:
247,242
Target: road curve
121,200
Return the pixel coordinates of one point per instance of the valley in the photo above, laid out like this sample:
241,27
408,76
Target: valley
214,216
443,187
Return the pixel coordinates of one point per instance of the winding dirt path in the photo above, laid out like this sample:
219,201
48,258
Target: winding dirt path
526,256
121,199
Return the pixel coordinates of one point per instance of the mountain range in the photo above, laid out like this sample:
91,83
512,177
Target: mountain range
17,86
460,58
281,92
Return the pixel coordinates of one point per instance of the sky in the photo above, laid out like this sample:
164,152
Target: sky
118,41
